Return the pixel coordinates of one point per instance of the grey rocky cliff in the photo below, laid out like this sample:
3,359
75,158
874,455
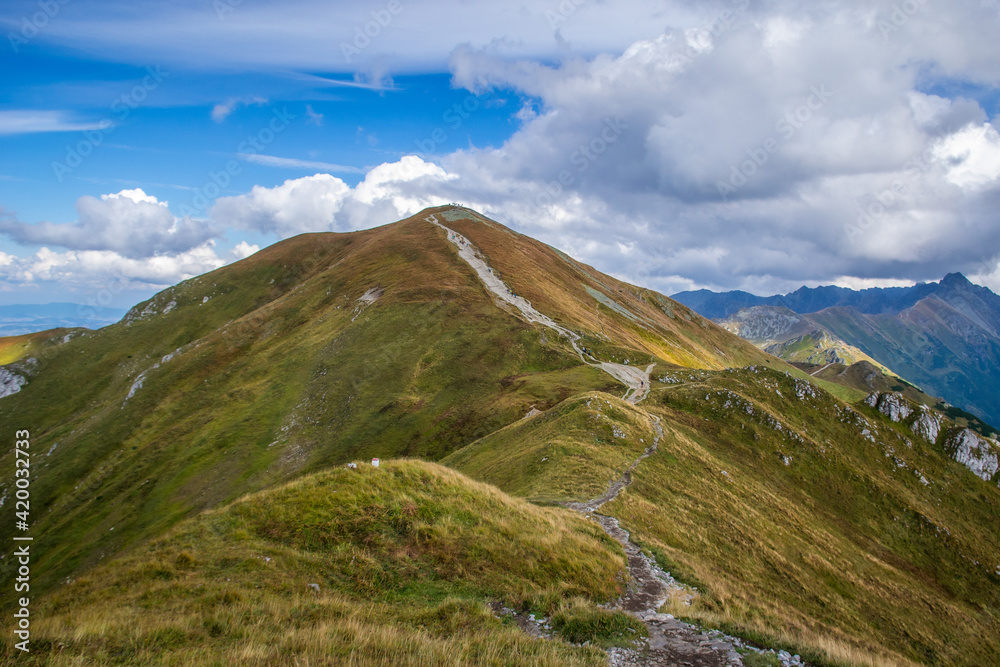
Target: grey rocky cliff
975,453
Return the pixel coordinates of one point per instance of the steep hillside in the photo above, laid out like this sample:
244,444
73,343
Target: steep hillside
934,345
852,535
318,350
792,337
566,453
389,566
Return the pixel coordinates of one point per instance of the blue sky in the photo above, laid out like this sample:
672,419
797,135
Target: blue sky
725,144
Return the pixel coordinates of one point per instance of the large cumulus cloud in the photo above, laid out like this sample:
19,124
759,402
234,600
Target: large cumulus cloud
129,222
745,144
780,145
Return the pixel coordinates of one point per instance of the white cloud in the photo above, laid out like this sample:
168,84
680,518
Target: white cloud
822,114
294,163
130,223
325,203
221,111
971,156
30,121
85,270
307,204
242,250
136,195
635,114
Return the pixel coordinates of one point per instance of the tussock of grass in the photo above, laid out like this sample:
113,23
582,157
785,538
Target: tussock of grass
406,557
579,621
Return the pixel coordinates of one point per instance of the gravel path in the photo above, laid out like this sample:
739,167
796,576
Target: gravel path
636,379
670,642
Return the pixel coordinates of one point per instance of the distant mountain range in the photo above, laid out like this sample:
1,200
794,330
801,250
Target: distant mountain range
943,336
19,319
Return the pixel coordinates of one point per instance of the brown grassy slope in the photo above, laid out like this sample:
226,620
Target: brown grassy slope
555,285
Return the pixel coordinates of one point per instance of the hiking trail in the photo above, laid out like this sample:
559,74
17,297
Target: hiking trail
670,642
636,379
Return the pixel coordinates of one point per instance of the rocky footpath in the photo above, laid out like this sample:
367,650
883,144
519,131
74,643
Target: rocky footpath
670,642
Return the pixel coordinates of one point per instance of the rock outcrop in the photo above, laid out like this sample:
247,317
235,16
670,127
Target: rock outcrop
927,425
10,382
891,405
975,453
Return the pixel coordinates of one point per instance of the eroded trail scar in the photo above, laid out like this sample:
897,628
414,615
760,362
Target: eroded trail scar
636,379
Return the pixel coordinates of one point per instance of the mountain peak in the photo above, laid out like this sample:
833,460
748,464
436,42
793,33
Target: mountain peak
955,279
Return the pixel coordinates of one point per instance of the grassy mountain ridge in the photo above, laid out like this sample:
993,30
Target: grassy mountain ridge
832,530
280,365
222,410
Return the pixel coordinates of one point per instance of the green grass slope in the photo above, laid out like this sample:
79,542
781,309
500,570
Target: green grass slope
810,524
932,345
566,453
406,558
312,352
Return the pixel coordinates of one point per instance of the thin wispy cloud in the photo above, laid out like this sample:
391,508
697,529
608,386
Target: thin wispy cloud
322,81
222,110
294,163
28,121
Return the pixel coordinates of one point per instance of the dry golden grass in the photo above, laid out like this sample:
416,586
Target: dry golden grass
406,557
